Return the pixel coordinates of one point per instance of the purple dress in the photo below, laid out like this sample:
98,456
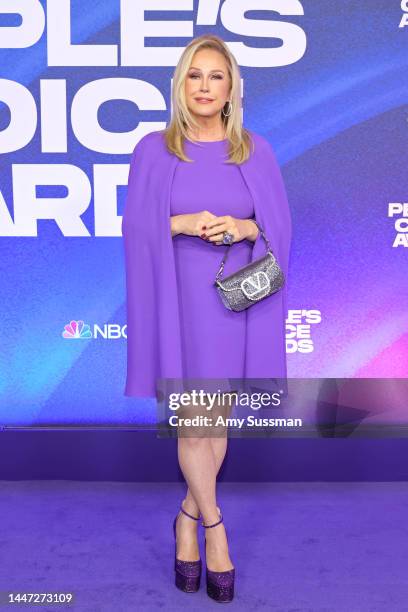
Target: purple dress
154,295
212,337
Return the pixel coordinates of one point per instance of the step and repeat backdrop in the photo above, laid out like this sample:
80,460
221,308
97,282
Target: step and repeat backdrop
82,81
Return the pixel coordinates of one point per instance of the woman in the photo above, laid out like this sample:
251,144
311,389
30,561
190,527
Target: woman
195,190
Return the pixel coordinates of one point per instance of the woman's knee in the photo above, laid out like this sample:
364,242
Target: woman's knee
192,442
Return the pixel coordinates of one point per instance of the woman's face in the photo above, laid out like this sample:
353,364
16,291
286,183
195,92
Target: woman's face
207,79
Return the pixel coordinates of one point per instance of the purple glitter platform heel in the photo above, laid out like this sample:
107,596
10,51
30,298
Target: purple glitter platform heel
188,573
220,585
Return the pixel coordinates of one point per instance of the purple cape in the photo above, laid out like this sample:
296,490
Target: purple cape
153,325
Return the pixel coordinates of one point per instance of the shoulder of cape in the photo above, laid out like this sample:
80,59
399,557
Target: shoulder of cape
152,139
262,146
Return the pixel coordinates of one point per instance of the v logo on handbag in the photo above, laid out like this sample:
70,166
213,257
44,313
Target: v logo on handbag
251,283
255,284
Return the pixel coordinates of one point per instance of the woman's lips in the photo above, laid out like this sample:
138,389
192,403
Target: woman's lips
203,100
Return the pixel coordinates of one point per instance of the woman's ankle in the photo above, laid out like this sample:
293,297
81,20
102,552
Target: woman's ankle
191,507
211,517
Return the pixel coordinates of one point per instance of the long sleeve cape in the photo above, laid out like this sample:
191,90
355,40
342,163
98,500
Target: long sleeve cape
153,325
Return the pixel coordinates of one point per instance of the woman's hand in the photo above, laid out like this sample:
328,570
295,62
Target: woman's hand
240,228
191,225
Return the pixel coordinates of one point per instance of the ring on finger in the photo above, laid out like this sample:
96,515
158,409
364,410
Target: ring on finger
228,238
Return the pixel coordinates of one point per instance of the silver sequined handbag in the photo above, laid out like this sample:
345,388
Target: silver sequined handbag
252,283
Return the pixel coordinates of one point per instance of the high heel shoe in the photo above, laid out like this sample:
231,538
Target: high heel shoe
188,573
220,585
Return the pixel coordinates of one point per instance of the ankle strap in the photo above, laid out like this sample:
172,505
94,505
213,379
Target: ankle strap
196,518
215,524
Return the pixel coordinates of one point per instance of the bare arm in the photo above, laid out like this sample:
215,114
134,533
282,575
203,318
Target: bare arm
176,225
253,231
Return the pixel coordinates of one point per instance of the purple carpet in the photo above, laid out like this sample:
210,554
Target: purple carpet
297,547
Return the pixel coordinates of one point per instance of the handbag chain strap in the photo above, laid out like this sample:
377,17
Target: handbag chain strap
224,259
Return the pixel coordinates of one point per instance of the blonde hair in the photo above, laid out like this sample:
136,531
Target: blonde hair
182,120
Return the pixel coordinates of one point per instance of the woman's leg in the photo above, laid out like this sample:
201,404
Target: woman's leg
200,459
219,449
197,462
186,528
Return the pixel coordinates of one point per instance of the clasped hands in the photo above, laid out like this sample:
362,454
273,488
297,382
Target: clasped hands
211,228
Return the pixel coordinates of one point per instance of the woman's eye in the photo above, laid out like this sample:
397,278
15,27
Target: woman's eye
215,76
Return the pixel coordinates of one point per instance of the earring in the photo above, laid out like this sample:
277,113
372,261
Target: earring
230,109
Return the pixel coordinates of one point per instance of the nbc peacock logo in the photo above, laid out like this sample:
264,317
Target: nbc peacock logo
77,330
